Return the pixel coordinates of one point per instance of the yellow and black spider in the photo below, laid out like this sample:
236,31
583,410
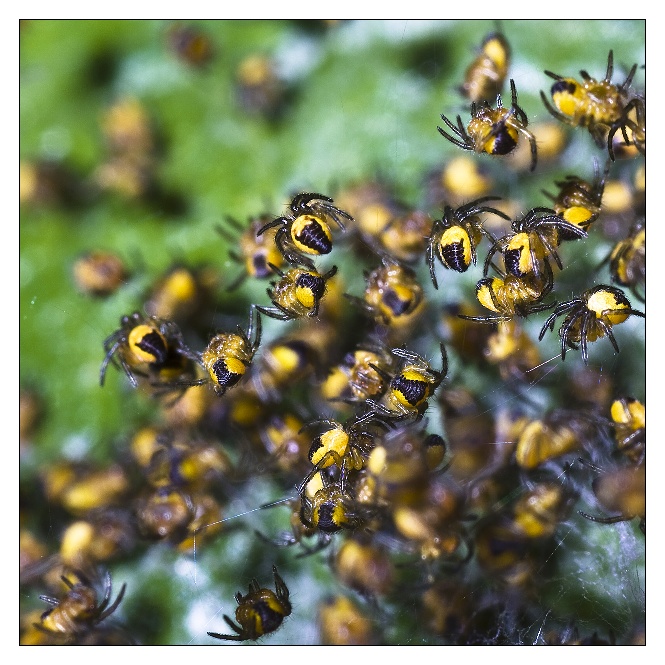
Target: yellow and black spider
79,611
410,387
484,77
305,231
259,612
532,242
590,317
509,296
494,131
346,445
256,252
355,378
578,201
228,355
602,107
393,297
297,294
628,261
330,508
629,421
151,348
454,237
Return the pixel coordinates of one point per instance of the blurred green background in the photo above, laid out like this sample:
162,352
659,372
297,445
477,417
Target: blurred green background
363,98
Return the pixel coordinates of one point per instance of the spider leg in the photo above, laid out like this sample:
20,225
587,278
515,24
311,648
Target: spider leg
584,332
280,586
564,333
110,354
497,246
605,520
275,313
275,222
534,148
557,114
112,608
232,624
430,260
610,65
459,143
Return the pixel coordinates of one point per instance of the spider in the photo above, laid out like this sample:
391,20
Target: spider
590,317
260,612
78,612
305,231
494,131
151,348
228,355
509,296
532,241
410,388
297,294
345,445
579,201
485,76
627,261
393,296
255,252
454,237
601,106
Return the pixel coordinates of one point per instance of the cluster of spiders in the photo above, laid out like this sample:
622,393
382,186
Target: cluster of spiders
355,402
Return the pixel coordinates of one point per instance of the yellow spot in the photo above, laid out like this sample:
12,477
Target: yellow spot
604,305
577,215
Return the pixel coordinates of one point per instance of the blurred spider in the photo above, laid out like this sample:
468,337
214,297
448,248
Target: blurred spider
305,231
78,612
494,131
628,261
485,76
255,252
590,317
454,237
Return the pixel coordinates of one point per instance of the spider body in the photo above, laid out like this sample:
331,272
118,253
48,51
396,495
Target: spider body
455,236
259,612
628,261
228,355
410,387
531,243
149,348
256,252
590,317
297,294
305,231
485,76
602,107
578,202
494,131
509,296
79,612
629,420
355,379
